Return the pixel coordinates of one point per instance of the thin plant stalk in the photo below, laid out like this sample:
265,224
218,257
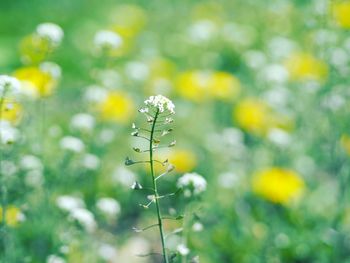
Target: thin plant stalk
160,222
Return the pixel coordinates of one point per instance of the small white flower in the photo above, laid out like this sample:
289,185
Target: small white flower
137,70
90,161
8,134
108,206
73,144
202,31
107,252
106,136
143,110
279,137
50,31
197,227
34,178
161,103
69,203
55,259
123,176
183,249
192,182
52,69
82,122
95,94
8,168
31,162
108,39
9,85
85,218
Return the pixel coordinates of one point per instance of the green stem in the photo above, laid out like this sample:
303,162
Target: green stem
160,222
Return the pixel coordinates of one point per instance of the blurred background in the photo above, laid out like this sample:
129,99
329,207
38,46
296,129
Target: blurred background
261,90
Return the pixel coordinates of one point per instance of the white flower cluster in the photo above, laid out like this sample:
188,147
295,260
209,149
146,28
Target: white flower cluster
108,206
192,183
55,259
33,168
83,122
8,134
9,85
51,32
77,211
72,144
161,103
107,39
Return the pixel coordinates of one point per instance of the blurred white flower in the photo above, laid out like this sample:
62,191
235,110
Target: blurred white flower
280,47
69,203
55,259
73,144
107,39
52,69
34,178
202,31
51,32
8,134
161,103
31,162
278,97
109,78
241,35
197,227
192,183
83,122
334,101
137,70
325,37
108,206
274,73
124,176
228,180
90,161
107,252
279,137
255,59
95,94
55,131
84,217
106,136
183,249
339,57
64,249
9,86
8,168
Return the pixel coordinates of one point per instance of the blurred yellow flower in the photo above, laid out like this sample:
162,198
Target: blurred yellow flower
278,185
341,12
254,115
223,85
184,160
117,106
304,66
13,216
36,82
201,85
193,85
345,143
128,20
34,49
10,111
